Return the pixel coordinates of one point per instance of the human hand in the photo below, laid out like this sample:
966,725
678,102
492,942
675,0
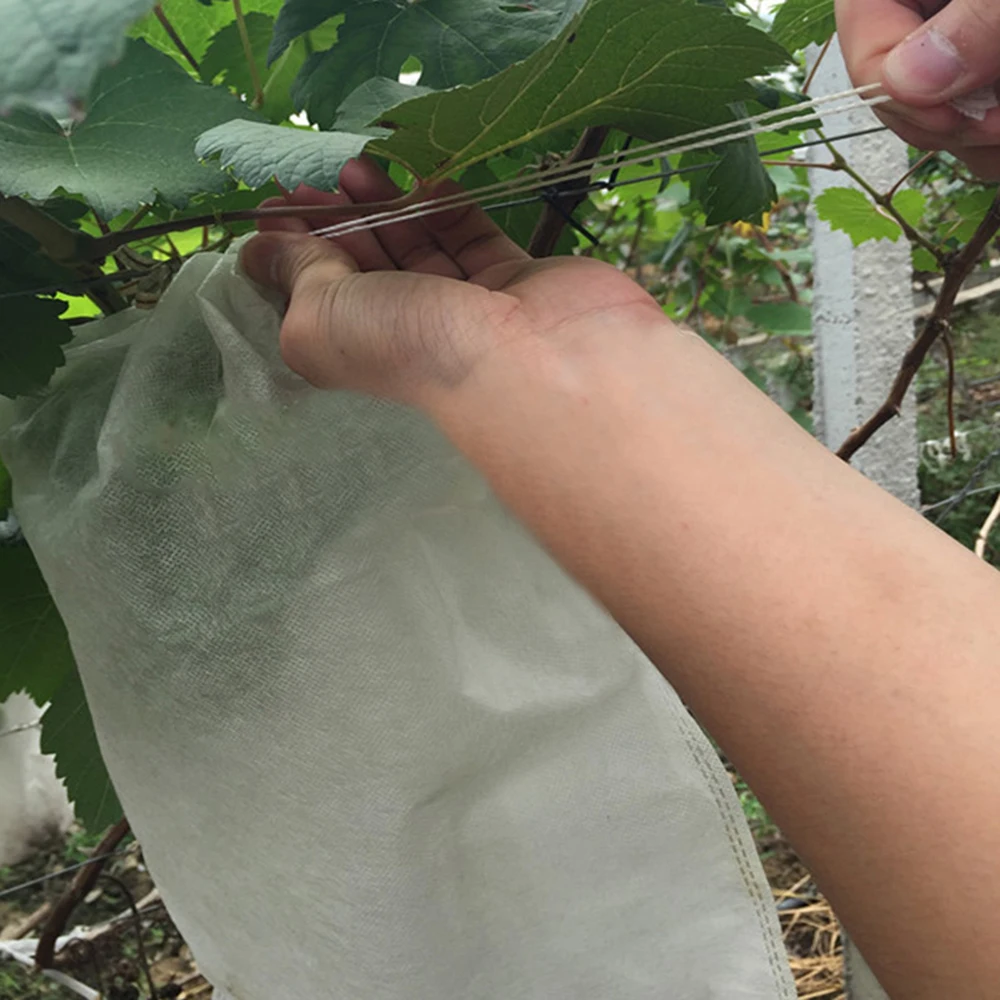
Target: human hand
405,310
926,53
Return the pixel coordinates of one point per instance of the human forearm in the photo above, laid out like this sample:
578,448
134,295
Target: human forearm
842,651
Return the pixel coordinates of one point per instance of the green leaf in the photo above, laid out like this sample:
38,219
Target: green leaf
52,50
137,140
911,205
23,263
738,189
256,152
33,334
456,41
971,209
799,23
196,24
281,74
789,319
850,211
68,732
654,68
35,653
370,101
924,260
225,57
31,343
225,61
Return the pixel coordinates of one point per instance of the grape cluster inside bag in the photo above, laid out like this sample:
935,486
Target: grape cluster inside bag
375,743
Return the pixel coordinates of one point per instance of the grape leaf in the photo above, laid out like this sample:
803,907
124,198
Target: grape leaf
799,23
911,205
971,208
23,263
370,101
789,319
738,188
924,260
36,656
850,211
137,140
68,732
31,343
456,42
257,152
225,56
33,334
225,60
195,24
653,68
52,50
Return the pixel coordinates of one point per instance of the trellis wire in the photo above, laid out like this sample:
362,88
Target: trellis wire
680,171
42,879
769,121
557,178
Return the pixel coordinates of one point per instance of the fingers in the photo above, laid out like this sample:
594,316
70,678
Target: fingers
280,224
869,30
362,246
470,237
295,262
926,53
393,334
410,245
955,52
311,272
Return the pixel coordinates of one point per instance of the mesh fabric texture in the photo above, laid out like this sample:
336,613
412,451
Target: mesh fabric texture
375,743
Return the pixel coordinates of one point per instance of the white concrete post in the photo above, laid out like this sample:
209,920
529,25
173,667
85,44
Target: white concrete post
862,306
862,323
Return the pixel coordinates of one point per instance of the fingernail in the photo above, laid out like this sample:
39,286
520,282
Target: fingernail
924,65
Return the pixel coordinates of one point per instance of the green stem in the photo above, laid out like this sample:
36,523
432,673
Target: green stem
258,89
175,38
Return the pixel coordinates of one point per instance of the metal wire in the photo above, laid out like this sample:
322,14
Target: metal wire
14,889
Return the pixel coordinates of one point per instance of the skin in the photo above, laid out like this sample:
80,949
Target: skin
870,31
842,651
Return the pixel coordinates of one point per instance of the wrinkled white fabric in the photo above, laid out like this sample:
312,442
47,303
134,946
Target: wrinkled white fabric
375,743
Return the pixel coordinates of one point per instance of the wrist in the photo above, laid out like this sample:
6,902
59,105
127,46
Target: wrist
535,393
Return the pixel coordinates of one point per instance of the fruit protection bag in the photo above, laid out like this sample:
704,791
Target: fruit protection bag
375,743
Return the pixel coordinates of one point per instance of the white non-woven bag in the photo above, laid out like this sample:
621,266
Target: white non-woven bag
375,743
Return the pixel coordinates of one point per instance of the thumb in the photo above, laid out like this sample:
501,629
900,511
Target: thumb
311,273
291,262
955,52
